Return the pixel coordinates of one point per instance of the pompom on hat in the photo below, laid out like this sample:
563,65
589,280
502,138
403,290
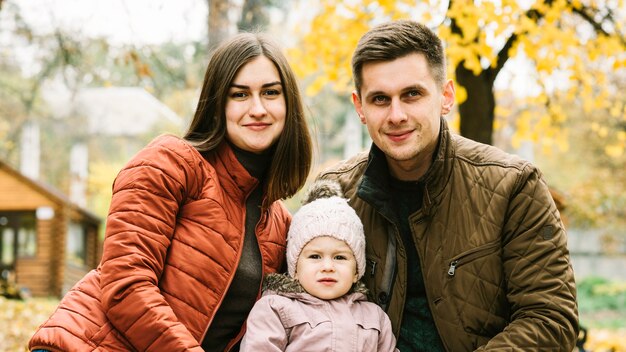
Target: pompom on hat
325,213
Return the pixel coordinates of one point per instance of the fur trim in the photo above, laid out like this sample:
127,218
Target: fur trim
283,283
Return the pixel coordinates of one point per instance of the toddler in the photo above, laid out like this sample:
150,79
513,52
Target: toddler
320,305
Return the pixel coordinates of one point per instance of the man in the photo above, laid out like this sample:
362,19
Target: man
466,249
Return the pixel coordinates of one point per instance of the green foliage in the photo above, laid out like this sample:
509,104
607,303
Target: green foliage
328,112
596,293
161,69
602,303
12,111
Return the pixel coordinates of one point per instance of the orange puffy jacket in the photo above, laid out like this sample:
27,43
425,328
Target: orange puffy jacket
174,236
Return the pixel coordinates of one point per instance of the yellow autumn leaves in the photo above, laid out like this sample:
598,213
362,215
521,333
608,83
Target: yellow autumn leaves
568,55
20,319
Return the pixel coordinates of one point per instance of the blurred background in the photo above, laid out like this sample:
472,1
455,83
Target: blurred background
85,84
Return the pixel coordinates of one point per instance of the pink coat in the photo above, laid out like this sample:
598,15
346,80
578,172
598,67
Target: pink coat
287,318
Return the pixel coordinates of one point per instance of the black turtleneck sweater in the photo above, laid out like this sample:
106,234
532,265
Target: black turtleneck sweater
418,331
244,289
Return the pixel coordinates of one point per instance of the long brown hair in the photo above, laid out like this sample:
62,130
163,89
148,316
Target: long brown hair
293,151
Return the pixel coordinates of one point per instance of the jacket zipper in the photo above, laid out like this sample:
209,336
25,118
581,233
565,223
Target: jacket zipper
470,255
231,343
373,264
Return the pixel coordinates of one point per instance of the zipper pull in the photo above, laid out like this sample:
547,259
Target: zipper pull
452,268
373,264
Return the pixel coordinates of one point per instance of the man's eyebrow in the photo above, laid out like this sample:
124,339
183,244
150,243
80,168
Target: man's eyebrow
242,86
418,87
374,94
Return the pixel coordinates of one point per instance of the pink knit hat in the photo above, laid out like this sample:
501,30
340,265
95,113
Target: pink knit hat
325,213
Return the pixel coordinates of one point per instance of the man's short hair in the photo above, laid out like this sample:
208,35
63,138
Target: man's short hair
393,40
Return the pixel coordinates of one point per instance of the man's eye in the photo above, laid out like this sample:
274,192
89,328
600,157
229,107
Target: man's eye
379,99
413,94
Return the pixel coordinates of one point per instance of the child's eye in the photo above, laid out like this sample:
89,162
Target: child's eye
341,257
314,256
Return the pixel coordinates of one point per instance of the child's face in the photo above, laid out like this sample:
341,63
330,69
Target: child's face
326,268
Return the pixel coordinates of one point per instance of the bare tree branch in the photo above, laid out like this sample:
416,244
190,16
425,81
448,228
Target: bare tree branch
503,57
583,12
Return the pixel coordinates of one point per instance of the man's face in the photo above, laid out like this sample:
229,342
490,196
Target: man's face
401,105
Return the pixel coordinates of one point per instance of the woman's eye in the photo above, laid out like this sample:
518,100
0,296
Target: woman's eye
272,92
238,95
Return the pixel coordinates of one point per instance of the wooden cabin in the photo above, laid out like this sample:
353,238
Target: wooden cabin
47,243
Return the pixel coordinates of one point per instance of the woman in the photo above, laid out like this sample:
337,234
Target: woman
195,223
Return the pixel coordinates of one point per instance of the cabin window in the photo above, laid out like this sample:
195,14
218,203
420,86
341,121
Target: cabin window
7,255
18,238
77,244
27,237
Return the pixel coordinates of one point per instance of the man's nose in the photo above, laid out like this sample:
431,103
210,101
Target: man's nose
396,112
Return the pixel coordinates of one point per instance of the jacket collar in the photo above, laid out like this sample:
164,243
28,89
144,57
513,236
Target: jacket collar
374,187
233,175
438,175
284,284
256,164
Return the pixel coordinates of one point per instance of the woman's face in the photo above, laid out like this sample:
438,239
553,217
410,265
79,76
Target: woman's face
255,107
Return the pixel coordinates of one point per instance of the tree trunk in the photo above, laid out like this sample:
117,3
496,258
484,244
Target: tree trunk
219,25
254,16
477,111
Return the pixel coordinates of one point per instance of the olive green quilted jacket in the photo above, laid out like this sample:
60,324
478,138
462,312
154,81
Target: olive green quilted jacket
492,248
